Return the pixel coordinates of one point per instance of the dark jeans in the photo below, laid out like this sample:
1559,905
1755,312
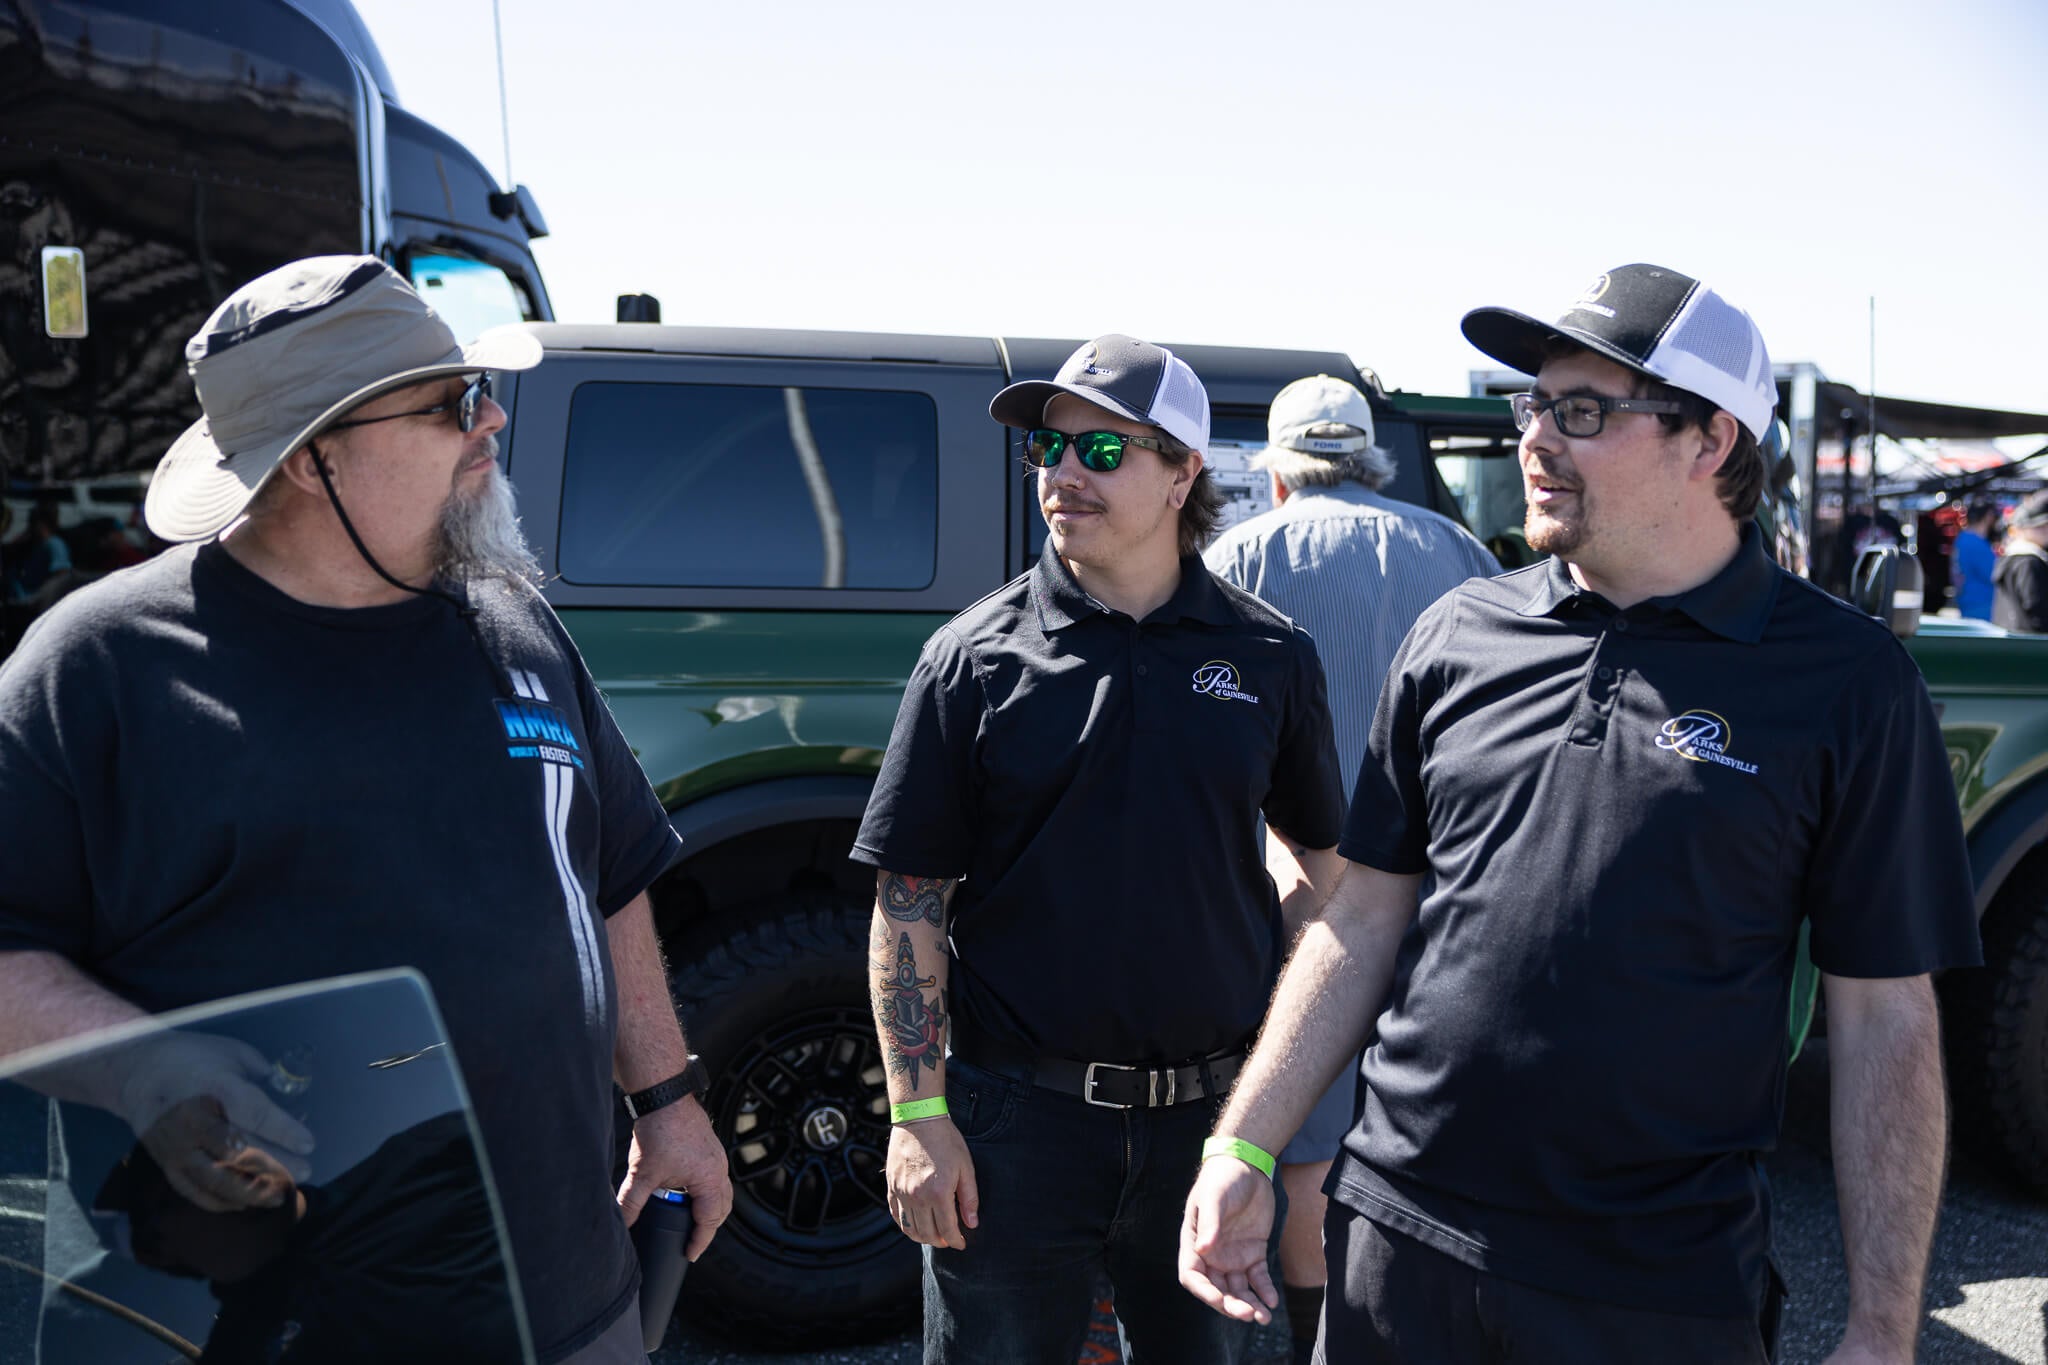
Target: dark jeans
1394,1301
1069,1191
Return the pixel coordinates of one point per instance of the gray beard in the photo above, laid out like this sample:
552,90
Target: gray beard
479,536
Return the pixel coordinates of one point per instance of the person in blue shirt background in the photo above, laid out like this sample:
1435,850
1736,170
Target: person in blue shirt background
1975,560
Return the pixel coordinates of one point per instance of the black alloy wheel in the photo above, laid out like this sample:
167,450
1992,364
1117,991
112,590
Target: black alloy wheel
804,1113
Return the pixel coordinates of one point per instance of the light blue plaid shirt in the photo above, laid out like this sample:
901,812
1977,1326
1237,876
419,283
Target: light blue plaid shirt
1354,569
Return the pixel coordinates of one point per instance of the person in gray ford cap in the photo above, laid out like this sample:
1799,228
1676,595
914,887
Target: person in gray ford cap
1069,888
1355,569
1601,796
340,730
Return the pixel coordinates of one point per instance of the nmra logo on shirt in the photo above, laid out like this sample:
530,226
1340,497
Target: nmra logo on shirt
1702,737
1219,679
537,730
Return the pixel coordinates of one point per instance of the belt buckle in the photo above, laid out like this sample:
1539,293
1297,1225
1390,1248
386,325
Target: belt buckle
1088,1082
1152,1099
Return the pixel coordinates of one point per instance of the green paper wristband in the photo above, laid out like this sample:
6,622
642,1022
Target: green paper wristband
1256,1157
918,1109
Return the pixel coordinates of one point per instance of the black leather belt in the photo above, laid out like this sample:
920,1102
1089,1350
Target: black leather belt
1111,1085
1137,1087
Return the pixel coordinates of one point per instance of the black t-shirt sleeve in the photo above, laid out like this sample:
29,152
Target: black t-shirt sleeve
920,820
1387,826
636,842
1888,886
1306,800
46,894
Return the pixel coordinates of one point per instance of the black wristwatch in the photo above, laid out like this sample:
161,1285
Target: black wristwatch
693,1080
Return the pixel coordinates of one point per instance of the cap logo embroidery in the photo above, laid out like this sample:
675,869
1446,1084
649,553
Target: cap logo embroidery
1219,680
1702,737
1590,300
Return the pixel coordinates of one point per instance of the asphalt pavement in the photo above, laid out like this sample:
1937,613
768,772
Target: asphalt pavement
1987,1290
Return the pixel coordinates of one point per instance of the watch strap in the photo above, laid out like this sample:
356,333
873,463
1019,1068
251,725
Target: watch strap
693,1079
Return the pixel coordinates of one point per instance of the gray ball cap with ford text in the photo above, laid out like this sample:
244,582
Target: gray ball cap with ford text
286,356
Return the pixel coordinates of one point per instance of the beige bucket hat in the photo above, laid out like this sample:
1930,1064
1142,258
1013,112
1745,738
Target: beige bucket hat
286,356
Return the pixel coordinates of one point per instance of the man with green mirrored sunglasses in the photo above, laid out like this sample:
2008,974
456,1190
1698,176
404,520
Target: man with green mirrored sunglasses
1074,934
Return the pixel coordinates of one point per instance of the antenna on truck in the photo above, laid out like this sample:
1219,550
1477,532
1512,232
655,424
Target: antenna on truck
504,108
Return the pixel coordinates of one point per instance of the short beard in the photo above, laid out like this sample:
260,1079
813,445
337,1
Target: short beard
1549,536
479,536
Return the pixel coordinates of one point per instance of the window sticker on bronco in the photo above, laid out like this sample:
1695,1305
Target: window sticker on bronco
713,485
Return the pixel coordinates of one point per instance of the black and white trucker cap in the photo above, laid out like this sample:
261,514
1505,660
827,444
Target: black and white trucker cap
1134,379
1656,322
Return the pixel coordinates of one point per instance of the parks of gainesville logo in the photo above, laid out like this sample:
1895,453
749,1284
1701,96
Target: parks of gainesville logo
1219,680
1702,737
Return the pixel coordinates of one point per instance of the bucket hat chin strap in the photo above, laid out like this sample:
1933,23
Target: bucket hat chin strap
464,609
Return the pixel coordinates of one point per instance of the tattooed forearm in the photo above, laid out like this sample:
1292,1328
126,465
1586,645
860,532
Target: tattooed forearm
908,979
912,1028
915,898
907,967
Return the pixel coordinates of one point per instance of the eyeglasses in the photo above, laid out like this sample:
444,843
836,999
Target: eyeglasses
465,408
1101,451
1581,414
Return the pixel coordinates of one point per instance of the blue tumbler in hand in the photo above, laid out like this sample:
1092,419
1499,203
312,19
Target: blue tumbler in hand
660,1234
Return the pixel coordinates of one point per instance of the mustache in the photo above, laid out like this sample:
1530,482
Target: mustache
1551,477
1070,504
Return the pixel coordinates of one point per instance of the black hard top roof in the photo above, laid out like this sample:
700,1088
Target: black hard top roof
1232,374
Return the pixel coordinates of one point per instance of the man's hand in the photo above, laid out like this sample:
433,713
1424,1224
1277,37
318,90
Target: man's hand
196,1102
931,1183
674,1148
206,1160
1223,1241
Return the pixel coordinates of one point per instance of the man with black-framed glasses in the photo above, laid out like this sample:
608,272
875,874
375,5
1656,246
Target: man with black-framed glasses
1601,798
1074,933
338,729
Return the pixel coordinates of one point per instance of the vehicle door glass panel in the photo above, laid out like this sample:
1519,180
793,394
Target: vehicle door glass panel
1485,478
709,485
382,1241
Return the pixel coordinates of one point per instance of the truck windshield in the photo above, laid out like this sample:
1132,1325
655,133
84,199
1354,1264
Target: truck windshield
471,296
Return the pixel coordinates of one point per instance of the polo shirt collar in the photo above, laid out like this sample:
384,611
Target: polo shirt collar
1062,601
1735,603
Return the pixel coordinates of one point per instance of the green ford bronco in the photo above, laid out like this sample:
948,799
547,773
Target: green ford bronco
750,534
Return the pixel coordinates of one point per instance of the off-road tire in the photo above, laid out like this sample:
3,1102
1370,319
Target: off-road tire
1997,1022
778,1007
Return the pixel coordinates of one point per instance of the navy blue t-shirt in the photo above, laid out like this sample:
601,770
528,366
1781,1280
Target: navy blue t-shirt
208,788
1623,818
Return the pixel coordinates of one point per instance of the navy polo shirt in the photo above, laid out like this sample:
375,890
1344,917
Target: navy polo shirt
1622,818
1096,782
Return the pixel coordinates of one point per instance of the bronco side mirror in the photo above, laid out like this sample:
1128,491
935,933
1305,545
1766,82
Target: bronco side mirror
1887,584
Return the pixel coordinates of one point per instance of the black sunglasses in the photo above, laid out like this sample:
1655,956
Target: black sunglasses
1101,451
465,408
1580,414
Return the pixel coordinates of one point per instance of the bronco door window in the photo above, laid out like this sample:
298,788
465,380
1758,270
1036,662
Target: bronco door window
1481,471
744,486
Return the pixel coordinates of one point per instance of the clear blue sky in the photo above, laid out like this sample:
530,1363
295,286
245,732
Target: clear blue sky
1352,176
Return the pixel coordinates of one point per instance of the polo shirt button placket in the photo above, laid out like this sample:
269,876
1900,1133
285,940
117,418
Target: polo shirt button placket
1596,704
